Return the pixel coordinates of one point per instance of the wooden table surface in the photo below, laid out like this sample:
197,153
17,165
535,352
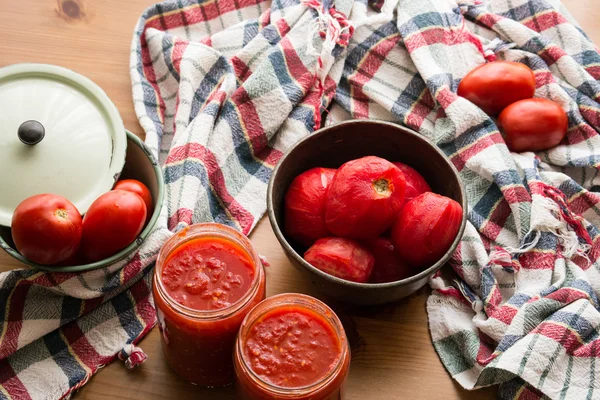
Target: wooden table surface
393,357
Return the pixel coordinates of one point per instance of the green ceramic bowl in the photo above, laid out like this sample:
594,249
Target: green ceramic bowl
140,164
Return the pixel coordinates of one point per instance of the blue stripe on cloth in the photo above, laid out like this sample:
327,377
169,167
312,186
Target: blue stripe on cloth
305,115
205,88
8,286
288,85
167,49
587,58
250,32
577,322
242,146
468,137
526,10
408,97
125,309
426,20
59,350
71,308
483,207
191,167
518,299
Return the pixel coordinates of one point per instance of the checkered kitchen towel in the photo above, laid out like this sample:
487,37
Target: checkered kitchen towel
223,87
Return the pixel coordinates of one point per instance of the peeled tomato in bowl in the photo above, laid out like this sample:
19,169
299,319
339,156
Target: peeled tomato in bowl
304,210
364,198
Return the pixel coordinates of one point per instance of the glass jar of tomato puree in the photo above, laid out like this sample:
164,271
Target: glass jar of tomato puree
207,278
291,346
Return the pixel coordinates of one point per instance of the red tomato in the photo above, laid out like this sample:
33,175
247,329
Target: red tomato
340,257
388,265
533,125
425,229
415,183
112,223
305,206
137,187
364,198
495,85
46,228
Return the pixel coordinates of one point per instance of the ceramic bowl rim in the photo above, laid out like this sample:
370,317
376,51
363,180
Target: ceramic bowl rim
364,286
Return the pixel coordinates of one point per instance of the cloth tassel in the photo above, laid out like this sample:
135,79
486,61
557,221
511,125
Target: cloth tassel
132,356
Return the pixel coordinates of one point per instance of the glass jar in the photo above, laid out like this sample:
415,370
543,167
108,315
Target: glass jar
198,344
252,386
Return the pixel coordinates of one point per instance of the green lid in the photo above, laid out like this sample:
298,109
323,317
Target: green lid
59,133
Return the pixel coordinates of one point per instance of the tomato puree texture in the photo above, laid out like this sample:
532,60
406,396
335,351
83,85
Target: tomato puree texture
208,274
292,347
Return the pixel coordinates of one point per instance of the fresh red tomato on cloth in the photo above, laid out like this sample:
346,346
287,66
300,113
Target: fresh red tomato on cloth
137,187
495,85
112,223
533,125
46,228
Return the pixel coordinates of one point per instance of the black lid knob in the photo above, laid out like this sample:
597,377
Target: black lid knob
31,132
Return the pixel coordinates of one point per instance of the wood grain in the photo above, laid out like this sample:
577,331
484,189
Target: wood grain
392,354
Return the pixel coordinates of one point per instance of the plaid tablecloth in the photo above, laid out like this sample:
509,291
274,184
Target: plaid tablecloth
223,88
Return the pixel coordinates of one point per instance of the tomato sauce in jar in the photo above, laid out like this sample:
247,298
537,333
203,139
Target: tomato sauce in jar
207,278
291,346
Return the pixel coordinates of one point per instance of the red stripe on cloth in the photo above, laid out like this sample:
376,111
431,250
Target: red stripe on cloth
516,194
81,346
504,314
592,115
460,159
303,77
140,293
567,339
132,268
206,11
14,322
579,133
454,292
594,71
445,97
52,279
91,304
373,59
489,20
250,119
543,78
359,103
11,382
242,71
264,19
537,260
485,354
282,27
494,224
543,21
567,295
181,215
216,179
530,393
441,36
179,47
552,54
150,75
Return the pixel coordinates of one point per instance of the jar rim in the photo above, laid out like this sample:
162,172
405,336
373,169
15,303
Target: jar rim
296,300
208,229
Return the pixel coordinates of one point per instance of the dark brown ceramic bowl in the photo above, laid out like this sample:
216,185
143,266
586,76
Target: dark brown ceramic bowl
331,147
